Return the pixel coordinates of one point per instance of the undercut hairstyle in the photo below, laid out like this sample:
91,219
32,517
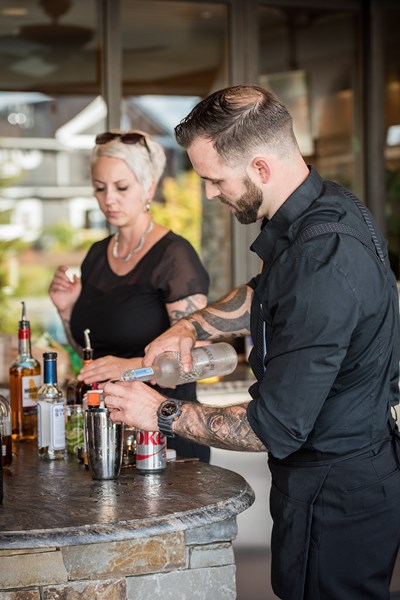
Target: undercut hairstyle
238,120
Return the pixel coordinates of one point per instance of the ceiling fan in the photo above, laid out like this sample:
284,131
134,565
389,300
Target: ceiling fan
55,34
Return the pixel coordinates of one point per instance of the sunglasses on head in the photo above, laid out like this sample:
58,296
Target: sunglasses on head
126,138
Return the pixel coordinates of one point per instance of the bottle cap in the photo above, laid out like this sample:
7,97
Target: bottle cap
93,398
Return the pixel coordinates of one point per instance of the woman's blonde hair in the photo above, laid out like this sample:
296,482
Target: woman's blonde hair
145,158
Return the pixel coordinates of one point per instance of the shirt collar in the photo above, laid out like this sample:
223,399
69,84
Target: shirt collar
295,205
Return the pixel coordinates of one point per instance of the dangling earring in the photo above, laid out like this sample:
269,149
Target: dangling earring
147,206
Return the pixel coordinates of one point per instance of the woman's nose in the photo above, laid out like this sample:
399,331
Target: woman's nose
109,196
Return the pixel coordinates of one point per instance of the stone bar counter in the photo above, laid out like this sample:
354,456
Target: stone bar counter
166,535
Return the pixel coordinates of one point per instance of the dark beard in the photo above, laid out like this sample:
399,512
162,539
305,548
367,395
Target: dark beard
246,208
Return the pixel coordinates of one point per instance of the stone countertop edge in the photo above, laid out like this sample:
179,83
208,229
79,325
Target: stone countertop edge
128,529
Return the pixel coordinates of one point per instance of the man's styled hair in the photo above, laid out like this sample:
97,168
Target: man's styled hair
237,120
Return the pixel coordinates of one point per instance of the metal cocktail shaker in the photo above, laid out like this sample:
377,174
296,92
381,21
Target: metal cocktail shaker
104,444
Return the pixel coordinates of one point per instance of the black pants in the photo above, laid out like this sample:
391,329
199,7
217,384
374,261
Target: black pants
336,526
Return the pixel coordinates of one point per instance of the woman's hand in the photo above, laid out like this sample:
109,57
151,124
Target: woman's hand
64,292
107,367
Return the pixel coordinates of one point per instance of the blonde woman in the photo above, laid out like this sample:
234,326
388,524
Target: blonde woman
137,282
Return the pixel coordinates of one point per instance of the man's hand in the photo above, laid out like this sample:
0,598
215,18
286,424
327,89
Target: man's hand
133,403
181,338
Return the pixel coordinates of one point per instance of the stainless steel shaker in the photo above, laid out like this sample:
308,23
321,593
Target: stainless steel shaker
104,444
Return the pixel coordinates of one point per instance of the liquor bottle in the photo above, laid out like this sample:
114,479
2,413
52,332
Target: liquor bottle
51,423
5,431
207,361
87,357
25,381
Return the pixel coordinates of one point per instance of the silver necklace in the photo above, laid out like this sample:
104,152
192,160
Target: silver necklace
134,250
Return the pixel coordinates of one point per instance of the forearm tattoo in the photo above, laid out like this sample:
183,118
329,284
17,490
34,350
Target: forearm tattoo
226,428
228,316
185,307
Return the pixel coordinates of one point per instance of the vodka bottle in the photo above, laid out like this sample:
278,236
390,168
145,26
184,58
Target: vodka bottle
25,381
207,361
5,431
51,423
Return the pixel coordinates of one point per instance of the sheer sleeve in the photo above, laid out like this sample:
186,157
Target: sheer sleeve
180,272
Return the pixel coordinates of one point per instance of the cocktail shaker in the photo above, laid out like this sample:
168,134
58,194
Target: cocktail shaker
104,444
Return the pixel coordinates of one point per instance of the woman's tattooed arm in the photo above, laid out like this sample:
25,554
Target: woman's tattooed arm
182,308
221,427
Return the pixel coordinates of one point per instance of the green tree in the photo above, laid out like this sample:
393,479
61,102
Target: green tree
182,208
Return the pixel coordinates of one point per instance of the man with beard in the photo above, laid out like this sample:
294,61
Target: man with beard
323,315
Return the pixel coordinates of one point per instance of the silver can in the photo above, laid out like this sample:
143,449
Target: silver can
151,451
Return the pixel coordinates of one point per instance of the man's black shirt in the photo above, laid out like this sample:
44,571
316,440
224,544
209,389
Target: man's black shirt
331,314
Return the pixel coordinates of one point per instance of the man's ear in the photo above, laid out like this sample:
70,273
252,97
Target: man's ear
260,168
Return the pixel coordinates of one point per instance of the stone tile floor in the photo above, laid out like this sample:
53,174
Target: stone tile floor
253,574
253,580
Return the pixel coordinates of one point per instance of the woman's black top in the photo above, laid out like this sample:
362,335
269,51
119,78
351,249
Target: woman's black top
126,312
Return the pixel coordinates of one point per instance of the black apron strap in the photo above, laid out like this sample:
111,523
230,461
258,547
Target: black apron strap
313,231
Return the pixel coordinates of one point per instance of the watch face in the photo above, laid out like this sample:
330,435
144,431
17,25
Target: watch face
168,408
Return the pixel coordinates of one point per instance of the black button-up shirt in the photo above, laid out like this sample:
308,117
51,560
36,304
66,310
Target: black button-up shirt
331,315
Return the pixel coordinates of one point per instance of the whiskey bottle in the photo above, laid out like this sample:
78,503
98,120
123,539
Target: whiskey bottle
51,422
87,357
5,431
207,361
25,381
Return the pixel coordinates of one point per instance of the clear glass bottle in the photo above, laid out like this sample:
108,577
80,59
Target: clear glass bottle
51,422
5,431
25,380
207,361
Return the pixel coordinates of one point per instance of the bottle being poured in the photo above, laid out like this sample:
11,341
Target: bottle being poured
207,361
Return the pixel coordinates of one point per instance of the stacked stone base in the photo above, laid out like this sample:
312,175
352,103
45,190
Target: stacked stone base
195,564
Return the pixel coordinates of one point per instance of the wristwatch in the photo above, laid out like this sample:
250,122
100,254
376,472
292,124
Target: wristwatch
169,411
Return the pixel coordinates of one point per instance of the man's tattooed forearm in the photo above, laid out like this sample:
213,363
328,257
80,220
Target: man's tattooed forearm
233,301
226,428
201,333
228,316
